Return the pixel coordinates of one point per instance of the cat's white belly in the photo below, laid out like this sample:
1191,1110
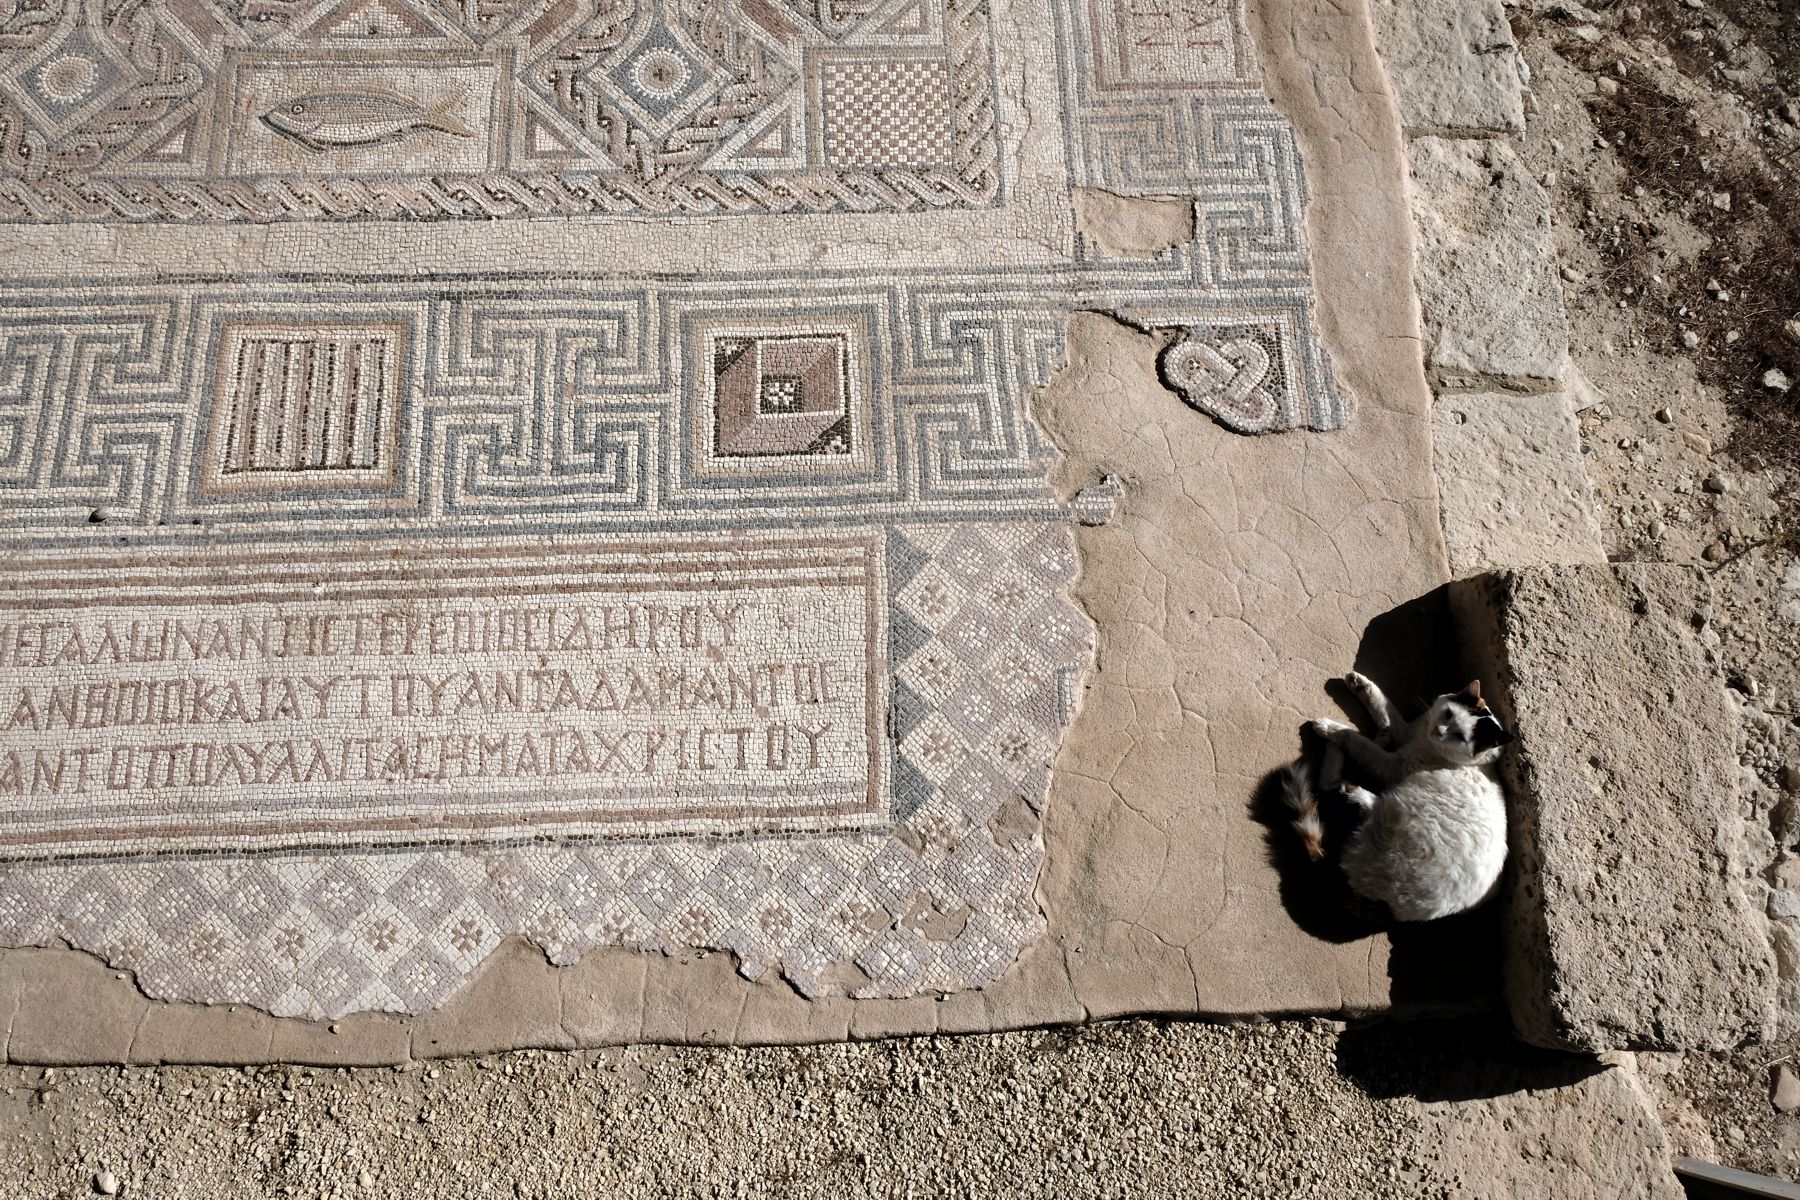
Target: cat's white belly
1434,845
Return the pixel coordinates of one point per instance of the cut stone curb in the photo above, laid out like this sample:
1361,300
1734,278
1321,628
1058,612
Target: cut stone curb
1629,926
1485,267
1512,484
1454,66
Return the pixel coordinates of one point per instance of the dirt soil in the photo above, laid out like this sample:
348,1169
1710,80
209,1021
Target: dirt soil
1668,135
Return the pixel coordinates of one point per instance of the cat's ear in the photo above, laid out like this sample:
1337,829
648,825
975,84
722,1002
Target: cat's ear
1471,696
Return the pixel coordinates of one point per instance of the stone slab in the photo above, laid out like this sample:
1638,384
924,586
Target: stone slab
1514,488
1629,926
1486,266
1454,65
514,1001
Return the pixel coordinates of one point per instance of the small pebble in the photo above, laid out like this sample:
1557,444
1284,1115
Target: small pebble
1665,415
1776,380
365,1180
1689,338
1717,483
1714,553
106,1183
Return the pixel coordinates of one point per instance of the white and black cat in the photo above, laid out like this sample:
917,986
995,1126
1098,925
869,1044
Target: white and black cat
1433,839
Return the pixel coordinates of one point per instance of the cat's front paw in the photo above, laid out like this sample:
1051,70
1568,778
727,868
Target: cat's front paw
1327,728
1361,685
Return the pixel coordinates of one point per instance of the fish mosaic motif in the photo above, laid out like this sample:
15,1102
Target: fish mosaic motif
338,120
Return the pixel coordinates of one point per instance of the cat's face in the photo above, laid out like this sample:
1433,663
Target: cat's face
1464,728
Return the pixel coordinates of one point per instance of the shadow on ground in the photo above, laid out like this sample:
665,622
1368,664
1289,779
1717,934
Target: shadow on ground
1469,1058
1412,652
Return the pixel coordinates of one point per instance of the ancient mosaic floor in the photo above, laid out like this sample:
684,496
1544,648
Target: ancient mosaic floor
588,471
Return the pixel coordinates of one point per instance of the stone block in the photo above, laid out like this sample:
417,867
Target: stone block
196,1033
1454,65
1628,927
1485,266
1514,489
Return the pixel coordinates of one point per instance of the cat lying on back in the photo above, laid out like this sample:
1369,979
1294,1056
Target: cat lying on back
1433,839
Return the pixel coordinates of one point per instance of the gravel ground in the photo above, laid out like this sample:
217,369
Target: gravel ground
1133,1109
1288,1109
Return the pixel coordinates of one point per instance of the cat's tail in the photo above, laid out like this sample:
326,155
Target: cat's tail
1297,790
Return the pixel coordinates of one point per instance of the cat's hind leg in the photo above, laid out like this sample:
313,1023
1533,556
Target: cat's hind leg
1360,749
1362,797
1331,768
1381,709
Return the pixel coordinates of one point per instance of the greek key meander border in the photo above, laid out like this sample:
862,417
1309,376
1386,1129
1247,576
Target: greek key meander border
939,342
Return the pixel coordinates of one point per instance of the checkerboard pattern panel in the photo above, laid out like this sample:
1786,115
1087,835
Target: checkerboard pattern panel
892,113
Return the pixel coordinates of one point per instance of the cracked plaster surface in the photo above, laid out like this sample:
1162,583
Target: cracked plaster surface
1234,577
